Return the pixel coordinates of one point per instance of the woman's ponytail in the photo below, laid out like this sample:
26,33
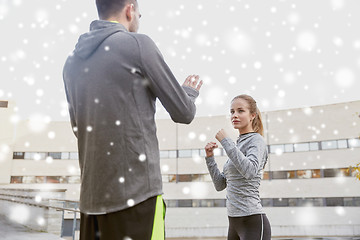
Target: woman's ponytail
257,123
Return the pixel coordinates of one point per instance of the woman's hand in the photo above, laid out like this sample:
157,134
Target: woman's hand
209,149
221,135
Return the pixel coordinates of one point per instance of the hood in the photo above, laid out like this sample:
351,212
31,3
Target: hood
99,31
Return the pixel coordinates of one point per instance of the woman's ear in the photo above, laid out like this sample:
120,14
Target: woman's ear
253,116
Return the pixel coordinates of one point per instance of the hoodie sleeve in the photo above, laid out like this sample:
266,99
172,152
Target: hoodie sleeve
249,165
71,111
178,101
217,177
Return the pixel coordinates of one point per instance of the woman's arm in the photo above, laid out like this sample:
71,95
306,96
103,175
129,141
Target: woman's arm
248,165
217,177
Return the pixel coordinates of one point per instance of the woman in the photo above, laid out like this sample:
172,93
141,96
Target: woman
242,171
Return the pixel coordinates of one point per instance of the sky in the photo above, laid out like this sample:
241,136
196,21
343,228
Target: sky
284,53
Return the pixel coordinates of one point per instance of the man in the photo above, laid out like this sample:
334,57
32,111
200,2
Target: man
112,80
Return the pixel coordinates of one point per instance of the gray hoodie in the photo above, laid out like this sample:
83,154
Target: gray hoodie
112,80
242,174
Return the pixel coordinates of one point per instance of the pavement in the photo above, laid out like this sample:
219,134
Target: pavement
14,231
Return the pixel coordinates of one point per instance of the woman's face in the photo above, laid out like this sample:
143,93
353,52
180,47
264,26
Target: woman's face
241,118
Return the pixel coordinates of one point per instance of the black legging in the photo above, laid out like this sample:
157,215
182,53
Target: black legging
253,227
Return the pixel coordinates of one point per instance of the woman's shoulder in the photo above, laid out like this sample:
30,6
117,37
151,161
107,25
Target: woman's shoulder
258,138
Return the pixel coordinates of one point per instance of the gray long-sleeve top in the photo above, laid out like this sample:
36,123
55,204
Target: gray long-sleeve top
241,174
112,81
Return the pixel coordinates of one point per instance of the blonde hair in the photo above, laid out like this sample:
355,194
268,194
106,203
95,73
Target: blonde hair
257,124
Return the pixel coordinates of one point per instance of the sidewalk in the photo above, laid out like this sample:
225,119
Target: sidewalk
14,231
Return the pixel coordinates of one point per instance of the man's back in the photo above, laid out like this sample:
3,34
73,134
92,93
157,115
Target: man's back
112,81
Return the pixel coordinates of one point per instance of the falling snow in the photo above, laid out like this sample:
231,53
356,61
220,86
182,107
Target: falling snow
305,48
130,202
20,214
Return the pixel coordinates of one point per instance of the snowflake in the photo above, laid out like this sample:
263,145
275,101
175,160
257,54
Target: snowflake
142,157
130,202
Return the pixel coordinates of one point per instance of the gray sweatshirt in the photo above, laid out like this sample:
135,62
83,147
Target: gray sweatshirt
241,174
112,81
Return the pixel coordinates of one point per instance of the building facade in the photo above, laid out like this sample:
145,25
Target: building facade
307,187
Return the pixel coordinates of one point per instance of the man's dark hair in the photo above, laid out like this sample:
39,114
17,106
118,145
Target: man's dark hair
108,8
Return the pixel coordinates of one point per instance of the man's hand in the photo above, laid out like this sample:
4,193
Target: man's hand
192,81
209,149
221,135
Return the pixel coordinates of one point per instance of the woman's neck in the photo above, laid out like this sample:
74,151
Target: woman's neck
245,131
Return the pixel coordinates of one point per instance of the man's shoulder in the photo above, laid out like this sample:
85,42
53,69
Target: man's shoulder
142,38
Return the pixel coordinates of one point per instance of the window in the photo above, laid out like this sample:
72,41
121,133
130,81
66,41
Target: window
342,144
290,174
316,173
16,179
164,154
51,179
271,202
29,179
185,153
344,172
289,147
303,173
331,172
328,145
278,149
74,179
354,142
337,201
172,178
196,203
356,201
63,179
171,203
348,202
305,202
184,178
18,155
28,155
39,156
219,203
65,155
301,147
266,175
4,104
195,153
206,203
40,179
55,155
292,202
172,154
266,202
314,146
185,203
318,202
74,156
197,178
202,153
279,175
280,202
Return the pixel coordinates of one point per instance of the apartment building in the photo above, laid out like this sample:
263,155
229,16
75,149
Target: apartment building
307,188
